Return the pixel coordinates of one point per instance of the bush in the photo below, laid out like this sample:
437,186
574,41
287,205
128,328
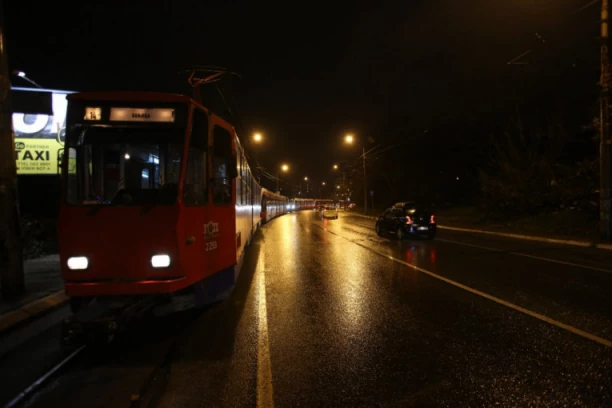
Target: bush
39,236
526,176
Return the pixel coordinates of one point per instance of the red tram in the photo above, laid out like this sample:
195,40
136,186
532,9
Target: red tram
304,204
158,201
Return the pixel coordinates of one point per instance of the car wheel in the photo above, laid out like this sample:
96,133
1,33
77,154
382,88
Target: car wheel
399,234
378,230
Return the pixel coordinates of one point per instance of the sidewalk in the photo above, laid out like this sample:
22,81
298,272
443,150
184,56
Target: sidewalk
44,291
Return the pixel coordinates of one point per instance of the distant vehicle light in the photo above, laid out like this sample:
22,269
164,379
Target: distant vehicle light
408,220
77,263
432,219
160,261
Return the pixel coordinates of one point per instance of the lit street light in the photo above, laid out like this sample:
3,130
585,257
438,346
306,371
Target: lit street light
22,74
257,137
284,168
349,139
335,167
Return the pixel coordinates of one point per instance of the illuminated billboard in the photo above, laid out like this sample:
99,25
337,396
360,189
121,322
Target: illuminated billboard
39,137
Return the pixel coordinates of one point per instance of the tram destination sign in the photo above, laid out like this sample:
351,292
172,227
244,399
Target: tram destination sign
142,115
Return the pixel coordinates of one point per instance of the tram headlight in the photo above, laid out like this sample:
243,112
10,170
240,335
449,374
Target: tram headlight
160,261
77,263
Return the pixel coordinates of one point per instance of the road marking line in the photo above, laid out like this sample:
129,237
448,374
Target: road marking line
502,302
524,237
363,216
585,244
265,392
541,258
594,268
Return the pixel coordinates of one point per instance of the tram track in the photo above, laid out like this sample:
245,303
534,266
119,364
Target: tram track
24,395
89,365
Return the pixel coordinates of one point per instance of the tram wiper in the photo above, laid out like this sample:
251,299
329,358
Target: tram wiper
96,208
146,208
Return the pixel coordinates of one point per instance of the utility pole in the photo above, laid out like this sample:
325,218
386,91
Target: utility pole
11,257
365,184
605,199
277,182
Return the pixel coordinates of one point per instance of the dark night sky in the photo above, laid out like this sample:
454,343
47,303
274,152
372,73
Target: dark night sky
312,71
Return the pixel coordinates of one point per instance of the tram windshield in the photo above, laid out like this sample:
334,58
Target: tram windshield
123,165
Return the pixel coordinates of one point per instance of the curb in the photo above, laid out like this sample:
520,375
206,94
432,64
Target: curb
32,310
584,244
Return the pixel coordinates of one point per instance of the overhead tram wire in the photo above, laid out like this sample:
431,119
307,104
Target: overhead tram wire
516,60
215,75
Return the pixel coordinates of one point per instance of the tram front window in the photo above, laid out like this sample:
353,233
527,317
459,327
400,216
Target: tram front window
123,166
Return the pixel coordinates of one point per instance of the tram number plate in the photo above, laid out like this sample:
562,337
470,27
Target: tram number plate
211,246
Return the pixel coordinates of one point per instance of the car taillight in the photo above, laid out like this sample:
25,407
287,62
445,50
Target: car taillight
432,219
408,220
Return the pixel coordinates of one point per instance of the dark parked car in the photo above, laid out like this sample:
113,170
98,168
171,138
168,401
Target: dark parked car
407,219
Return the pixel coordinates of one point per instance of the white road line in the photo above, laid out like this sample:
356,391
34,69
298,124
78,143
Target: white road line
540,258
502,302
521,236
363,216
265,392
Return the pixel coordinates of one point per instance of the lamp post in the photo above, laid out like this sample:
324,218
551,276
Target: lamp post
336,167
12,281
349,139
284,168
22,74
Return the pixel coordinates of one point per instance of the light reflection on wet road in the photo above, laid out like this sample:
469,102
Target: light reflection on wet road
364,330
348,326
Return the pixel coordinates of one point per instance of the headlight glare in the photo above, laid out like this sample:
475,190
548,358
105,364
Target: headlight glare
77,263
160,261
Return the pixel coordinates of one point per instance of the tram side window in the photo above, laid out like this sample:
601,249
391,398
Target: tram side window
195,189
222,151
247,173
243,180
241,175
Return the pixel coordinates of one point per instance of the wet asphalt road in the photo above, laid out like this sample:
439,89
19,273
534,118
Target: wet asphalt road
326,313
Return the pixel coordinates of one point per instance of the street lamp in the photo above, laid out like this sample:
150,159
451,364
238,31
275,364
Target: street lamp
349,139
22,74
257,137
284,168
307,189
343,172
